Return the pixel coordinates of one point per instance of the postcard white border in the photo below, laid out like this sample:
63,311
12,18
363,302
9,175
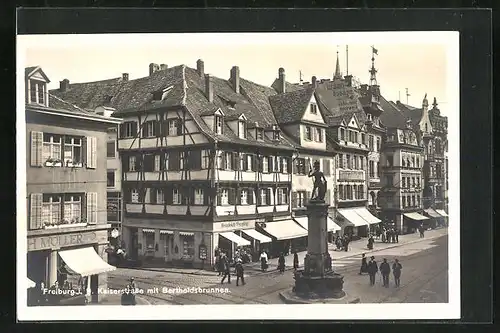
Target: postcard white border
427,311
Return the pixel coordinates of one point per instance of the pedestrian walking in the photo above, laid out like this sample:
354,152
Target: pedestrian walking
281,263
385,270
220,264
227,270
396,270
295,260
364,265
370,242
239,272
397,235
263,261
372,270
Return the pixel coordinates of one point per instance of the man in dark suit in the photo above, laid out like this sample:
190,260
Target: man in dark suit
396,270
227,270
385,270
372,270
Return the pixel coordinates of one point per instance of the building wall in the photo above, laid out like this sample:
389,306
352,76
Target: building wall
114,163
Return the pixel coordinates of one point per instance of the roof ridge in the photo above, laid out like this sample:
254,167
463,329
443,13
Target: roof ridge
71,104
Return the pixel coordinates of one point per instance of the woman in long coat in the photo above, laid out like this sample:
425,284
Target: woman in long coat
295,261
281,263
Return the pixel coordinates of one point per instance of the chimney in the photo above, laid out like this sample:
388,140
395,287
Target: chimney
314,82
281,78
200,67
125,76
163,67
153,68
209,88
64,85
235,78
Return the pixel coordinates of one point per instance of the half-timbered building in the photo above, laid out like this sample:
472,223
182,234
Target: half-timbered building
204,166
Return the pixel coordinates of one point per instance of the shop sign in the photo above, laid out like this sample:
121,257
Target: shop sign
58,241
234,225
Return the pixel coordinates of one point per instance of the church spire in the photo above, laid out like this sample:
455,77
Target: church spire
434,103
373,71
337,74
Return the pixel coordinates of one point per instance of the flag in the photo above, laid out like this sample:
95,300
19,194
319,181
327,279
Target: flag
375,51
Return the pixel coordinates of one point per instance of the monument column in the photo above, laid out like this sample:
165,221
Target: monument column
317,249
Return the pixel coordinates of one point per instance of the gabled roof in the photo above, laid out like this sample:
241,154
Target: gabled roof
290,107
29,71
392,117
410,112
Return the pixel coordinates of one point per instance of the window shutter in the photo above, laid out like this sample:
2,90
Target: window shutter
195,159
326,167
250,193
268,197
91,152
238,196
294,199
294,166
270,164
174,161
156,128
91,207
134,129
36,148
36,210
231,196
289,165
178,124
235,161
144,129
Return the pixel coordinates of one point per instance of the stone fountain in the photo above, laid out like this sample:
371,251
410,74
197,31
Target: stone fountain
317,282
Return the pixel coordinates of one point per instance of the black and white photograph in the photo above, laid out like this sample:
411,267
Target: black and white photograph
289,175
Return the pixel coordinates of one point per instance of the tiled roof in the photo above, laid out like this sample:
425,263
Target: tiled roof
410,112
290,107
289,87
182,86
392,117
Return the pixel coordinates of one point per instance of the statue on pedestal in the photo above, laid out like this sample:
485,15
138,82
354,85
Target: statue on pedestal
319,189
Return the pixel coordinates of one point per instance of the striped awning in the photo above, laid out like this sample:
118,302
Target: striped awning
415,216
231,236
186,233
148,231
166,232
257,235
431,212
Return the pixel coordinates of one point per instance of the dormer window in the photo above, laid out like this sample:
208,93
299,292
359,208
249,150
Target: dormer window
242,129
369,116
314,109
37,92
218,123
276,135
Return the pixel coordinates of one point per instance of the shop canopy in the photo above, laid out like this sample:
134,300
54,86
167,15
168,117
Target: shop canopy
351,215
441,212
416,216
431,212
231,236
367,216
85,261
304,223
30,283
286,229
257,235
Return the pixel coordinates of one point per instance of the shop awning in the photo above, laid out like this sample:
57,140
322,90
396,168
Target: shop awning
304,223
367,216
441,212
258,236
85,261
186,233
152,231
30,283
231,236
286,229
431,212
331,225
353,217
166,232
416,216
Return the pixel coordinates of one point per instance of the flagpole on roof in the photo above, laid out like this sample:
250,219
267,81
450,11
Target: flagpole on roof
347,59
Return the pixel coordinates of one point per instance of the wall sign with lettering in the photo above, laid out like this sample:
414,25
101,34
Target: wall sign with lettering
234,225
64,240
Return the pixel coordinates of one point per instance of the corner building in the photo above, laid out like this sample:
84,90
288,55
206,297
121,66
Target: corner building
67,231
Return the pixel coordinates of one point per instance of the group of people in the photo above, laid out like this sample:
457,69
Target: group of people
128,297
388,235
372,269
342,243
223,266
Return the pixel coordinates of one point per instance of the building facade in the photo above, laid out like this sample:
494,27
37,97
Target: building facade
205,165
66,186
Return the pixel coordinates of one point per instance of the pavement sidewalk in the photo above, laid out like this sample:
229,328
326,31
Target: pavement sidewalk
356,248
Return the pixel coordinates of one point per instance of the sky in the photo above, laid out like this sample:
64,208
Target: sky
418,61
